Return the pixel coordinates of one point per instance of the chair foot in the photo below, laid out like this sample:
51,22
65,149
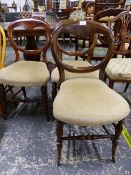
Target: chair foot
118,131
3,102
111,84
126,87
59,133
54,90
45,99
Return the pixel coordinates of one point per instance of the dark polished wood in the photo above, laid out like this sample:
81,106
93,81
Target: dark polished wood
121,27
3,102
102,4
29,25
81,32
31,44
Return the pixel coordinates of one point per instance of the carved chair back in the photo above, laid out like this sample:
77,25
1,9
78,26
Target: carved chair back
121,27
105,4
31,29
88,30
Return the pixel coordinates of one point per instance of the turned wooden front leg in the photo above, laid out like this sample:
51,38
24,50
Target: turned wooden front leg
45,99
54,90
59,134
3,102
118,131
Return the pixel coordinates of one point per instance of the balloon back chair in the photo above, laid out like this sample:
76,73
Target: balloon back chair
119,67
103,17
86,101
71,59
30,72
102,4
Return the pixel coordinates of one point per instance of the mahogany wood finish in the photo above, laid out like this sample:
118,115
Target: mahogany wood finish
63,13
29,26
111,12
108,12
121,27
105,4
3,102
81,32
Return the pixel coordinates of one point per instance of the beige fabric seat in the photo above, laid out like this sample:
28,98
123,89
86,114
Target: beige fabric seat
25,73
119,68
87,103
68,75
105,19
20,74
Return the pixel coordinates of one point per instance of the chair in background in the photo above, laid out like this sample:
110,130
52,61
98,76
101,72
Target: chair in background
102,4
86,101
103,17
22,74
77,14
119,68
63,13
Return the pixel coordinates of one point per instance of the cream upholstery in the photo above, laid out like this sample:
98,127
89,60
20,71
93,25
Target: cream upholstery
78,15
100,51
119,68
105,19
69,75
25,73
88,102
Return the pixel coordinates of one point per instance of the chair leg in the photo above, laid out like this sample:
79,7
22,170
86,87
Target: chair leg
45,97
54,90
24,92
3,102
126,87
111,84
118,130
59,133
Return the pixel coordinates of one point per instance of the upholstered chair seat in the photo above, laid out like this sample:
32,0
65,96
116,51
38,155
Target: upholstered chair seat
29,69
78,15
22,73
87,103
119,68
105,19
69,75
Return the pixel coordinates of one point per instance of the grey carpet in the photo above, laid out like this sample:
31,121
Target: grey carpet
28,144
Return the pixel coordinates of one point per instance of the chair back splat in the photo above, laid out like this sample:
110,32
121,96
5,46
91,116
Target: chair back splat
119,67
85,101
89,33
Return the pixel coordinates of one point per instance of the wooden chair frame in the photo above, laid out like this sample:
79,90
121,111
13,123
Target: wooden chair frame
29,25
90,28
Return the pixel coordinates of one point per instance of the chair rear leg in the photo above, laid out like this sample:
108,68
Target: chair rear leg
45,99
111,84
118,130
59,134
3,102
126,87
54,90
